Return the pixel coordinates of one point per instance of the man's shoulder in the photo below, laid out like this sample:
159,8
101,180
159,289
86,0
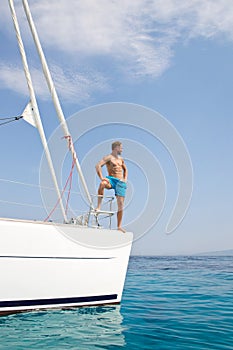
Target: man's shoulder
107,158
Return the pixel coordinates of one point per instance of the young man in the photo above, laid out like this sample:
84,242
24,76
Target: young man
116,179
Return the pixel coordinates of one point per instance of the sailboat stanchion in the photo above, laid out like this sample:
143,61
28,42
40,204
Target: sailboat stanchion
53,93
35,109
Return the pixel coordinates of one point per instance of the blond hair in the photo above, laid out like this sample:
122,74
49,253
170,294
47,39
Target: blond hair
116,144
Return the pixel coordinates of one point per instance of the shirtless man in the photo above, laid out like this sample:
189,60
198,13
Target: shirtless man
116,179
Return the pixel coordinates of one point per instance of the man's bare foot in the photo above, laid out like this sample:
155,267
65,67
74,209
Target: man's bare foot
121,229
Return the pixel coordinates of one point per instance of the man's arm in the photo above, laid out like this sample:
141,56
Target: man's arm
125,171
99,166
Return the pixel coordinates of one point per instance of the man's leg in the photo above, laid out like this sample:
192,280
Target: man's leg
104,184
120,204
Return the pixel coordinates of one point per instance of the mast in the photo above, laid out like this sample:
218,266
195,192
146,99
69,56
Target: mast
54,95
35,106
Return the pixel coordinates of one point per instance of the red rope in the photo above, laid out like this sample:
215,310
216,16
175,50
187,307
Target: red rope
70,178
68,181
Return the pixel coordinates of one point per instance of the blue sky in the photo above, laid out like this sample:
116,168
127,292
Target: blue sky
172,57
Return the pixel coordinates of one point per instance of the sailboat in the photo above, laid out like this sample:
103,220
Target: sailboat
46,265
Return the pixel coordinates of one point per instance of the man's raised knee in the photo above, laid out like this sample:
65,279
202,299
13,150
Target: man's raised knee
105,184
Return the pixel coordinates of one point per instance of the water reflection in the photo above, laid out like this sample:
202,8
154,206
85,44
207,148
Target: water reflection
83,328
100,327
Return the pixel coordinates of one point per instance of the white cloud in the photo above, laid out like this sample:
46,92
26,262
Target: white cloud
12,77
75,86
138,37
117,29
72,87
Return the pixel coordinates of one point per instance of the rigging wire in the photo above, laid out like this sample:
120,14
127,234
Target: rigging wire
68,181
34,185
9,120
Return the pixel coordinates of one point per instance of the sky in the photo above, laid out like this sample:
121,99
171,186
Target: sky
157,75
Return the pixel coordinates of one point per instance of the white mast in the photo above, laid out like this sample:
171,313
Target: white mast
54,96
34,105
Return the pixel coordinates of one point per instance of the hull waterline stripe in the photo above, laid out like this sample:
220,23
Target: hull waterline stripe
56,301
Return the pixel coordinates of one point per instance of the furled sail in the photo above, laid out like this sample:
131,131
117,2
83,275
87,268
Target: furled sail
28,115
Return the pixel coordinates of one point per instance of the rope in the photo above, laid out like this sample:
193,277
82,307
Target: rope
34,185
22,204
71,148
68,181
9,120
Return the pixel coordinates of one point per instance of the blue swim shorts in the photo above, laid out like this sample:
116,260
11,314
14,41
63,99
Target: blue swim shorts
118,186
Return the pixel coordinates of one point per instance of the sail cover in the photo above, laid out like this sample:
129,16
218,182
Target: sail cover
28,115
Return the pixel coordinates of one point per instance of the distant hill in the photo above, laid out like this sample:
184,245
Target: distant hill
228,252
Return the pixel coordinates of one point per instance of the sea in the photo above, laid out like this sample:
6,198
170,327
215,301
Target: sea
181,302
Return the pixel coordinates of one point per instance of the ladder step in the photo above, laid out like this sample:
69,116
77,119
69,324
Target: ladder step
102,212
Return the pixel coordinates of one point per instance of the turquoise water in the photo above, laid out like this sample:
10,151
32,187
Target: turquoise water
168,303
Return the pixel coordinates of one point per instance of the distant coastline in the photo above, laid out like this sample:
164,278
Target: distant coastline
228,252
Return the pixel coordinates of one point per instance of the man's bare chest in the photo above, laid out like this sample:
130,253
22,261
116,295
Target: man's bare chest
115,163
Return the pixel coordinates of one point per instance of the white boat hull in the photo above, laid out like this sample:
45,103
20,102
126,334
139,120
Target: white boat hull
43,265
